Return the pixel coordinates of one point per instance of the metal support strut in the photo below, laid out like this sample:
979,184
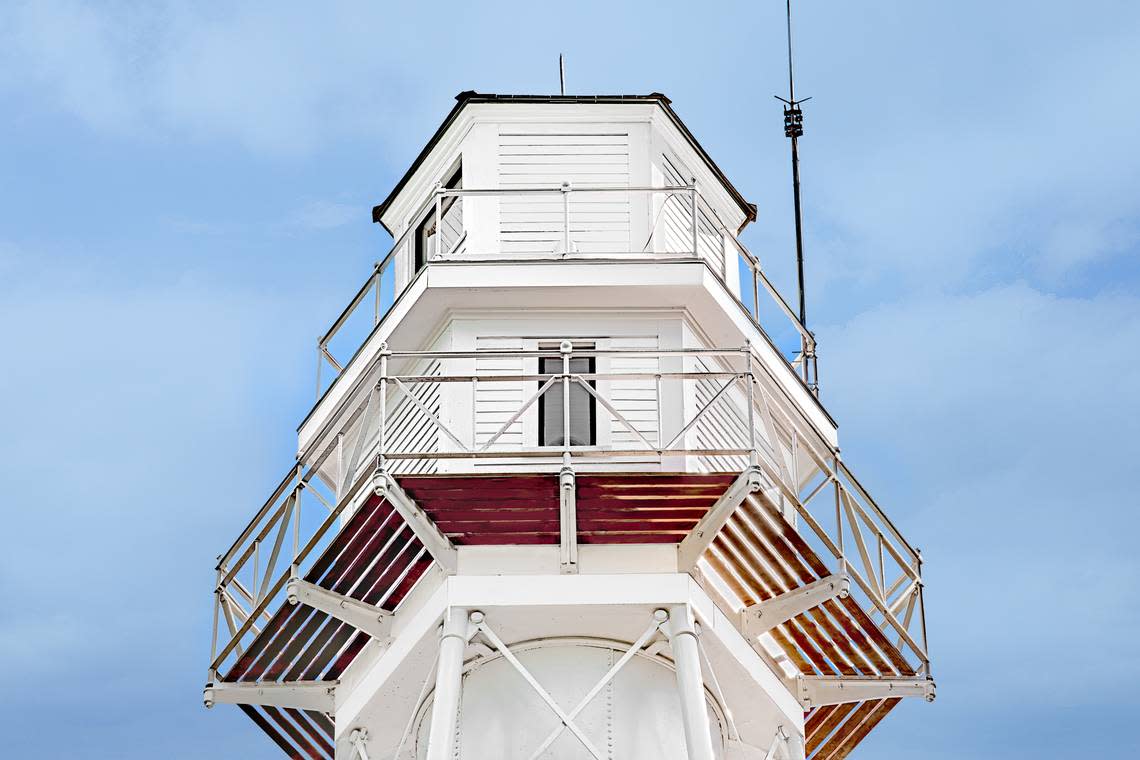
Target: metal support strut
453,638
369,618
301,695
817,691
764,616
438,545
682,634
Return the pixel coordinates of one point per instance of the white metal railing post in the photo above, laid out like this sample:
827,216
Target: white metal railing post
320,360
453,639
693,209
438,221
750,377
566,348
922,615
217,605
382,416
755,291
660,403
566,190
838,506
376,309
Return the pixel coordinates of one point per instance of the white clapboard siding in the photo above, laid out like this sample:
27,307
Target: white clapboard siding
673,226
724,425
635,399
599,223
408,429
497,402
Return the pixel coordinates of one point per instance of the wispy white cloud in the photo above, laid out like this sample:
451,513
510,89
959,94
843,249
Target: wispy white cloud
275,80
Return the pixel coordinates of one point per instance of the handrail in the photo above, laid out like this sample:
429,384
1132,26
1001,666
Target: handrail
700,209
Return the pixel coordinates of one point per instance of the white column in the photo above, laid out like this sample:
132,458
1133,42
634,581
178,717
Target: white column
448,684
682,634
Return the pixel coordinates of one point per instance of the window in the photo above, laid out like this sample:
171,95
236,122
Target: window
583,406
427,237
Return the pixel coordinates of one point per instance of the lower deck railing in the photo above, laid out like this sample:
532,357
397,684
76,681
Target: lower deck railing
695,410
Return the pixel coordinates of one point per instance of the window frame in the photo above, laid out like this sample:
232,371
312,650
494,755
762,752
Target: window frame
591,368
419,249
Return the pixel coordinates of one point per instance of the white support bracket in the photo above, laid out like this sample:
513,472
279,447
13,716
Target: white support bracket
438,545
764,616
301,695
693,545
817,691
568,520
369,618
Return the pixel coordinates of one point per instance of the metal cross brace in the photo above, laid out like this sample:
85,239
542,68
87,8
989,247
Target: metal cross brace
568,718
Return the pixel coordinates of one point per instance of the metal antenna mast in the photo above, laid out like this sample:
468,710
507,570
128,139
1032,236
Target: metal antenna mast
561,74
794,128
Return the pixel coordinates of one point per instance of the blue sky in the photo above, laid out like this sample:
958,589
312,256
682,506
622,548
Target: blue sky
185,206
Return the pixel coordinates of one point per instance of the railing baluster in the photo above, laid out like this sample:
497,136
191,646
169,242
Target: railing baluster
320,361
565,219
376,310
755,292
566,347
660,428
382,428
693,205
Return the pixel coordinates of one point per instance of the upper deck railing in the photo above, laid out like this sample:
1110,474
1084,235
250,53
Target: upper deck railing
574,224
696,410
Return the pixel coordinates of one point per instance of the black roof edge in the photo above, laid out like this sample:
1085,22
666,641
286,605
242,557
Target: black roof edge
470,96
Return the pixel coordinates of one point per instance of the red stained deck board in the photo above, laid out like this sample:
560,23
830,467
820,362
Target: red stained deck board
629,538
524,508
309,748
366,516
315,730
489,509
271,731
293,659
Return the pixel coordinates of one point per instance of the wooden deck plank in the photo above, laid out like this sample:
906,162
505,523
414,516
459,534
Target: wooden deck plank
855,729
823,722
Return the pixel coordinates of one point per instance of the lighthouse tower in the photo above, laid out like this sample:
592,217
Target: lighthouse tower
567,489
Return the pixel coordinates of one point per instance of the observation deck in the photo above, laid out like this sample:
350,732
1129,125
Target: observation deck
706,454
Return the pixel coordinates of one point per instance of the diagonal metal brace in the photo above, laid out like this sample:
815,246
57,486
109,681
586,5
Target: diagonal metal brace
374,621
438,545
817,691
302,695
693,545
764,616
